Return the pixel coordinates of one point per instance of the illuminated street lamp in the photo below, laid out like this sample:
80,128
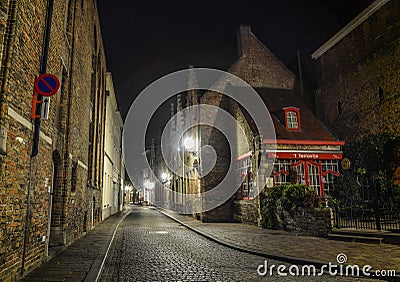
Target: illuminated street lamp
164,177
164,180
189,143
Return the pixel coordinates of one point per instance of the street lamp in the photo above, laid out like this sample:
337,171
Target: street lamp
189,143
164,177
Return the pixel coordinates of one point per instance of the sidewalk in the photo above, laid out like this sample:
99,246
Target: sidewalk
289,247
83,258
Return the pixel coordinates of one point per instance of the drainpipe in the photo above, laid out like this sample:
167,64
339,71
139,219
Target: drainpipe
4,74
43,68
35,144
51,191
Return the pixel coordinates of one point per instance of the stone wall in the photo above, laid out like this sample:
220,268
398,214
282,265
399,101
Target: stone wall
76,57
246,211
313,222
359,86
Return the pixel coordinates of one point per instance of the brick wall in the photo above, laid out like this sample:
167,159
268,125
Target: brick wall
259,67
359,86
65,136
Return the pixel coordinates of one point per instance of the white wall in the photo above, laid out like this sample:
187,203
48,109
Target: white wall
113,164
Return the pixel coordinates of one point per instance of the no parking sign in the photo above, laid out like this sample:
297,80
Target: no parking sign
46,85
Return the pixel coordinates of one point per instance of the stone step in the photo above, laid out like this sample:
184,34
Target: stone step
355,238
388,237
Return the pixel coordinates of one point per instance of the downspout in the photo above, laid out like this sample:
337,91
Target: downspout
35,145
4,74
51,192
103,128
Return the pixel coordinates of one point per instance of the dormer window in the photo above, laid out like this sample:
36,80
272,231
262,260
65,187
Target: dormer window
292,118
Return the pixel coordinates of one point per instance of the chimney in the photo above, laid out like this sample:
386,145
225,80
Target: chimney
244,41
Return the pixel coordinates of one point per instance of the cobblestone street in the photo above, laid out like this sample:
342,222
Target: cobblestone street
151,247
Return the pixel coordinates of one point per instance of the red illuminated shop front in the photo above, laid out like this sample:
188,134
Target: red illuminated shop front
312,167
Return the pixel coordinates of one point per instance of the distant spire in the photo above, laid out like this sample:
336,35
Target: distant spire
180,118
191,97
192,80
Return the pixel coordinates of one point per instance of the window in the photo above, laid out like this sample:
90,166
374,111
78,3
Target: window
314,177
95,38
298,168
330,169
381,94
292,118
319,175
281,172
74,173
244,177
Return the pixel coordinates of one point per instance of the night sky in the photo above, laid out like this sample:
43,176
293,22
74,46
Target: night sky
146,40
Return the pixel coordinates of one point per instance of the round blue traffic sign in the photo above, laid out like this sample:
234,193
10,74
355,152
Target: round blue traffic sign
47,84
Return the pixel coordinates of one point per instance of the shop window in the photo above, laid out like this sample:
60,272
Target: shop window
281,172
314,176
330,170
292,118
319,175
298,168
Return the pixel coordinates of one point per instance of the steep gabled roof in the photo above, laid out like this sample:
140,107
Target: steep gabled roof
257,65
276,100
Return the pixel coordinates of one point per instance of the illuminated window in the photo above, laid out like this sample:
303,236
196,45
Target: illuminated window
330,170
281,172
292,118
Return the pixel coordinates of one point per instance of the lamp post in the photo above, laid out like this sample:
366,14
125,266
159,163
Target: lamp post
164,180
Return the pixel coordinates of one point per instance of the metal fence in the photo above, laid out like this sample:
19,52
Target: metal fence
368,219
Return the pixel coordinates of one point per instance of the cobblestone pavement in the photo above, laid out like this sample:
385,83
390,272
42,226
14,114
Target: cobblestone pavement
151,247
286,244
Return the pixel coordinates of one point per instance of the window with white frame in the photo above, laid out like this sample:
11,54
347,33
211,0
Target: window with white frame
315,174
292,120
243,171
281,171
330,170
298,169
314,177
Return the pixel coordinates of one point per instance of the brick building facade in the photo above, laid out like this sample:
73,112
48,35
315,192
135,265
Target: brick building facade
302,143
359,86
70,158
304,150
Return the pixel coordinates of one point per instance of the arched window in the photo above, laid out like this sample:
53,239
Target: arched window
292,118
381,94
